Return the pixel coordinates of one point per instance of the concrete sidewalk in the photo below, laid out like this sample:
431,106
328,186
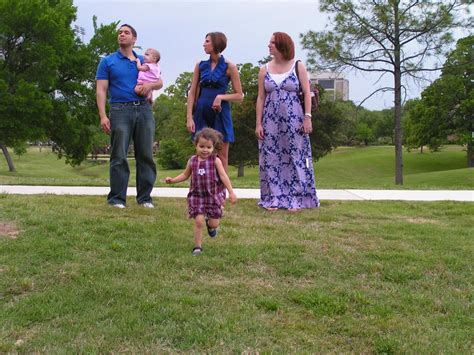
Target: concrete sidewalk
360,195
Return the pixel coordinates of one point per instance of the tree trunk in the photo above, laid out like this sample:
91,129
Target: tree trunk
421,149
398,102
470,154
11,167
240,170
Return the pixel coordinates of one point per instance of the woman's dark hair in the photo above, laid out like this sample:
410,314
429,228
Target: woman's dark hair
209,134
134,32
285,45
218,40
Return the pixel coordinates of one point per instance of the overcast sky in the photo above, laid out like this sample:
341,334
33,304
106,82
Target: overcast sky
177,29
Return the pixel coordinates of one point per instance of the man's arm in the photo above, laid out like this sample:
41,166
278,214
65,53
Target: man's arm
146,88
101,97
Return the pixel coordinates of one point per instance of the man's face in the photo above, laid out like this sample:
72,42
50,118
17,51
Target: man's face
125,37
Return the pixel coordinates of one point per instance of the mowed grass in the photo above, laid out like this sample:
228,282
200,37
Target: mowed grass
345,168
78,276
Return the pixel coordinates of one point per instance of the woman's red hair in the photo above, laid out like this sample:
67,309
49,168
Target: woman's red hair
284,44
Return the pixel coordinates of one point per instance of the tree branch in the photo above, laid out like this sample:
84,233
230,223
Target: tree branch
384,89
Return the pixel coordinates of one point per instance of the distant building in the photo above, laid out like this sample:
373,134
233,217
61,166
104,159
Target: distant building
334,84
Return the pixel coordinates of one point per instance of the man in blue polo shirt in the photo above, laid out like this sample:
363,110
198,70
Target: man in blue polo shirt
130,117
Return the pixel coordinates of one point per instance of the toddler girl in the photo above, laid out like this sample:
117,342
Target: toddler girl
206,191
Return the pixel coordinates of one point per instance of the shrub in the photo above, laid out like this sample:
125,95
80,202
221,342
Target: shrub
173,154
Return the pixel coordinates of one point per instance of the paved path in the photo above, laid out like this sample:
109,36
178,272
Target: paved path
400,195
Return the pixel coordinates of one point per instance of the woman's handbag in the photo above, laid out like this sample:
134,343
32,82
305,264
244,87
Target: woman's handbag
314,93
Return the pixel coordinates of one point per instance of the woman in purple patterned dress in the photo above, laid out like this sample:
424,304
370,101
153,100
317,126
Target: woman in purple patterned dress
285,160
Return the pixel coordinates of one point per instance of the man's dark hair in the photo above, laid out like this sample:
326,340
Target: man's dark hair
134,32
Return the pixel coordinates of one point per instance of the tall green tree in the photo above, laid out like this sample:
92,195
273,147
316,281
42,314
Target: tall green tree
447,105
34,36
47,77
386,37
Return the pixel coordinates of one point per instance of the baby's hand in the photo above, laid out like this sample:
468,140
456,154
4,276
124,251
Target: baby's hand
232,198
168,180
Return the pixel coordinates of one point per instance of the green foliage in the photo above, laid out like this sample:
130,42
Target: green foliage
244,151
179,90
47,76
386,38
447,105
327,123
367,35
175,146
20,149
364,133
171,154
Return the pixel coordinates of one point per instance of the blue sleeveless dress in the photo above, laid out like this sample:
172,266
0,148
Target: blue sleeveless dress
213,83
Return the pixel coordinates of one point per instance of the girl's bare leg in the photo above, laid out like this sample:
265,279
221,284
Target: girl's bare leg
213,223
224,155
199,224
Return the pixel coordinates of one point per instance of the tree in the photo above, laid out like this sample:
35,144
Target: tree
447,105
244,151
175,146
384,127
33,37
364,133
394,37
327,123
47,77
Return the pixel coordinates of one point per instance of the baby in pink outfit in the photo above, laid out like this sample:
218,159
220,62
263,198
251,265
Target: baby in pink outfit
149,71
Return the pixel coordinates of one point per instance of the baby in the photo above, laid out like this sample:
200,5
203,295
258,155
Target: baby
149,71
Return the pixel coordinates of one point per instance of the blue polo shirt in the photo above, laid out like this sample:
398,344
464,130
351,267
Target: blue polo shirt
122,75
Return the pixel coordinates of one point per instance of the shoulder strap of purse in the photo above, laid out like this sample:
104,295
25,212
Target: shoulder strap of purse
296,71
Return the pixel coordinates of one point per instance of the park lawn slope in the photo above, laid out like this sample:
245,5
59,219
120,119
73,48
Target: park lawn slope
345,168
374,167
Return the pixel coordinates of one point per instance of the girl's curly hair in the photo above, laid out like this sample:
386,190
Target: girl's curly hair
211,135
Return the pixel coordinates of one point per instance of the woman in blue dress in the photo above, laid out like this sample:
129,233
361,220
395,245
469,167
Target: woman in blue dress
208,97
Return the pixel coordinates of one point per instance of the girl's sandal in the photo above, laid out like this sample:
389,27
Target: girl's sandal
197,251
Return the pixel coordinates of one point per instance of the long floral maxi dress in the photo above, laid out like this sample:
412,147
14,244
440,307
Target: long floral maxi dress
285,159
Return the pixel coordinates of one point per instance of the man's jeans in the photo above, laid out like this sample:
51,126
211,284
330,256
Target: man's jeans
127,122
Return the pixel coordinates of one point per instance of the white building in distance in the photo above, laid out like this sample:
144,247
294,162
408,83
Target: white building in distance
335,85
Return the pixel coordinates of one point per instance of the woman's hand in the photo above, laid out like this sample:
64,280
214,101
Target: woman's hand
190,125
307,125
216,105
259,131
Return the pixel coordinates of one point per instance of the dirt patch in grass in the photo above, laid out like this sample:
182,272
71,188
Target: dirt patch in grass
8,230
421,220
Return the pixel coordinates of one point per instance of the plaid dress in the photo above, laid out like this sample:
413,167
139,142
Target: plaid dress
206,191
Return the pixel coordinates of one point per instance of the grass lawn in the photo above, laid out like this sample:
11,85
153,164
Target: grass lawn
78,276
346,167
